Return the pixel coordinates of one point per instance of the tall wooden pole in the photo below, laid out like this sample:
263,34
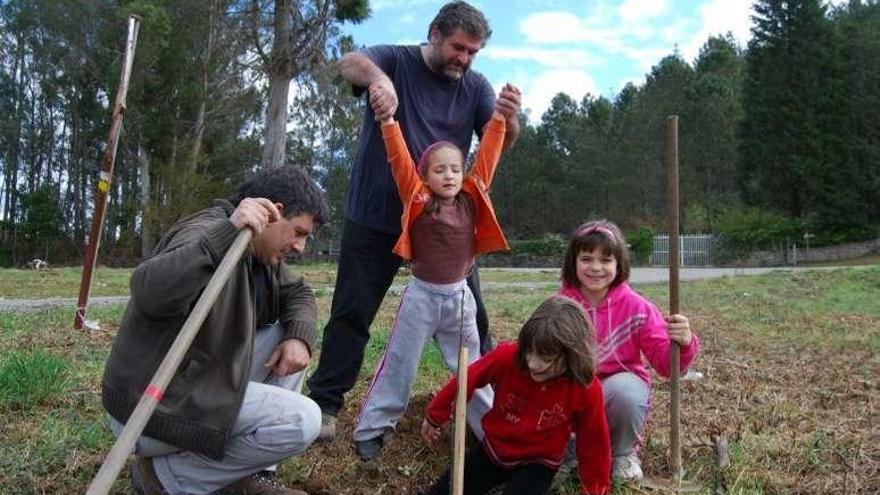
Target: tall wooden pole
108,159
674,350
153,393
460,423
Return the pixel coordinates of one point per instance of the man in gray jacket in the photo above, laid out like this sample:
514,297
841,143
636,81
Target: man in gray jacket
232,410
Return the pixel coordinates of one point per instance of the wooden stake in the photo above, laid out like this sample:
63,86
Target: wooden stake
460,423
153,394
674,351
677,484
107,161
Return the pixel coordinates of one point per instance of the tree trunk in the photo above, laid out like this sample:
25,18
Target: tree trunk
280,71
276,122
205,67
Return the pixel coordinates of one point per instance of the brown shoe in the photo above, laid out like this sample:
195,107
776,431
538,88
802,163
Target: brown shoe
262,483
144,479
328,428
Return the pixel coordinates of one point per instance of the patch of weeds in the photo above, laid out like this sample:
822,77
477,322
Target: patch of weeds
814,449
29,378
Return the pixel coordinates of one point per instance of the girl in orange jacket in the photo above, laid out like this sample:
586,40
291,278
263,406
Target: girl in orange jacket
447,221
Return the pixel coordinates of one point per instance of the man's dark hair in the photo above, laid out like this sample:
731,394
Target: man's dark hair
290,186
460,15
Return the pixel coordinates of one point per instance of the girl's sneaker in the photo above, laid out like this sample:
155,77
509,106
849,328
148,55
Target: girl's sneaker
626,467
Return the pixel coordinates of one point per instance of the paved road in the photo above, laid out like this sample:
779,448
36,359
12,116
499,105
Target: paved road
637,276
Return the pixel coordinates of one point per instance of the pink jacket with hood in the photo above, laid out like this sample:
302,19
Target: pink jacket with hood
627,326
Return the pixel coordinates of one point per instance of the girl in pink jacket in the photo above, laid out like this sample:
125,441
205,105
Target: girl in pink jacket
627,326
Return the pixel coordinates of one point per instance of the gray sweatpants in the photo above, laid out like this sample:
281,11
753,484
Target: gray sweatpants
275,422
627,401
446,313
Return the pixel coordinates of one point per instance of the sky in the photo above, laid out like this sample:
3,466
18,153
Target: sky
577,47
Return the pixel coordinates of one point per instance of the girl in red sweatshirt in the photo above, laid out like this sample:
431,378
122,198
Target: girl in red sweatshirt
545,389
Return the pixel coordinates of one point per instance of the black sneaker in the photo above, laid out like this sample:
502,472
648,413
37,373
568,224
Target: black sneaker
371,449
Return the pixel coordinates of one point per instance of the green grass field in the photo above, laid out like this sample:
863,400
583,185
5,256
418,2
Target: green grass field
792,381
65,281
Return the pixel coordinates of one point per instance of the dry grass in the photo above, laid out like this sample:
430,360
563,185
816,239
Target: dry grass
791,365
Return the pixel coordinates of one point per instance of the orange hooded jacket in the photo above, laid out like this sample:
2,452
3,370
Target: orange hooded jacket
415,194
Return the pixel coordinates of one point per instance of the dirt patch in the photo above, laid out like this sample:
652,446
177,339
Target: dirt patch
798,420
407,464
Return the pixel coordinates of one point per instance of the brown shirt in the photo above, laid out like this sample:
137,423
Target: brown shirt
443,241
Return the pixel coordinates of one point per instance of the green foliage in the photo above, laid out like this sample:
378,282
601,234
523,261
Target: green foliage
741,231
641,243
828,237
352,10
29,378
551,245
41,219
788,125
805,135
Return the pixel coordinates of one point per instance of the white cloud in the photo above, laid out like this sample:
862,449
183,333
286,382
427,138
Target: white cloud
556,58
646,57
632,10
636,80
408,19
539,91
717,17
633,40
553,27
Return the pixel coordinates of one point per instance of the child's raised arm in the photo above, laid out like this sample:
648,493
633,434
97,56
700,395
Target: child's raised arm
489,152
403,168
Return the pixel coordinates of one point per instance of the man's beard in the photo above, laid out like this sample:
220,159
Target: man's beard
447,70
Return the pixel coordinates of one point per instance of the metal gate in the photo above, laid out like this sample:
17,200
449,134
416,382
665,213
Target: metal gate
693,249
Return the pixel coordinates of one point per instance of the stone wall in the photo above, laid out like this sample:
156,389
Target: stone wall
799,254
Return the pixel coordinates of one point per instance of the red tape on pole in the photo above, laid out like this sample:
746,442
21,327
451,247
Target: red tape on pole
154,392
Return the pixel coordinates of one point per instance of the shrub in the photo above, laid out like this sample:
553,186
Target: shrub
641,244
742,231
549,245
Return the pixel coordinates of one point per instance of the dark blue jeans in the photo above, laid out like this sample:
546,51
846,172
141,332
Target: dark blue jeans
365,272
481,475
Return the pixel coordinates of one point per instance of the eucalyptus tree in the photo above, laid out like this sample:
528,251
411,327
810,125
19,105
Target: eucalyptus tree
192,106
325,121
290,38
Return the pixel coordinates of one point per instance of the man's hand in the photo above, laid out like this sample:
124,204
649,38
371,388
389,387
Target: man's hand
508,102
255,213
383,98
289,356
679,330
430,434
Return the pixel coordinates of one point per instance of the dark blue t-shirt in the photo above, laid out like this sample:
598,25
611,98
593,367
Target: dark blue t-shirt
430,108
